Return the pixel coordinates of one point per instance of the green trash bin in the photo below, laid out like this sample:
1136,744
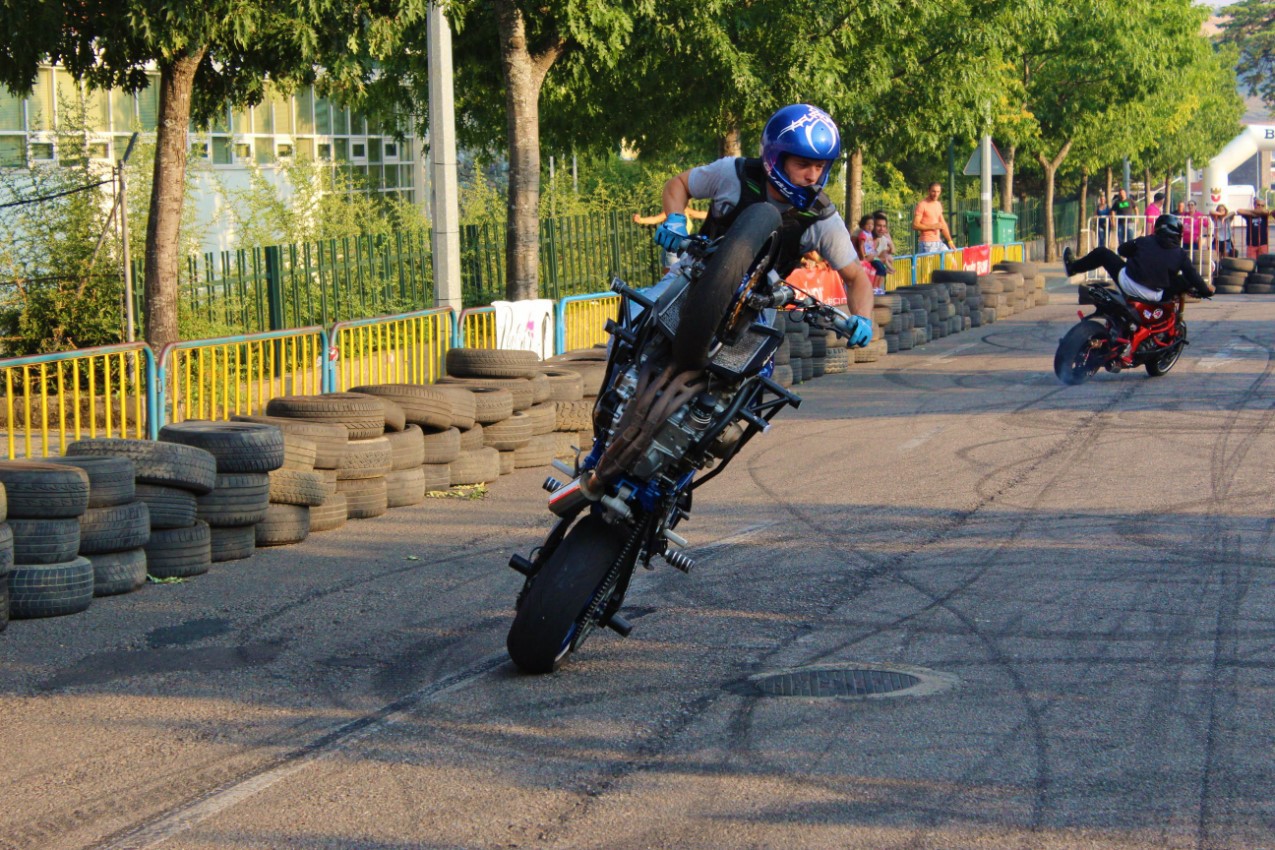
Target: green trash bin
1004,227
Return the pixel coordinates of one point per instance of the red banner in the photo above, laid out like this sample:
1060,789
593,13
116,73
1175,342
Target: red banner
978,259
821,282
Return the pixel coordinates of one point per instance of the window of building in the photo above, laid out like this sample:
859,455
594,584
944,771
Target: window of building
42,151
11,112
304,148
305,111
243,151
341,147
358,149
283,150
199,149
373,150
323,116
283,123
391,149
325,151
262,120
263,151
99,150
222,151
148,104
40,114
123,111
98,110
13,151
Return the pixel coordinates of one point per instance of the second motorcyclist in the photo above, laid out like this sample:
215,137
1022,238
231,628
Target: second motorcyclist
1153,268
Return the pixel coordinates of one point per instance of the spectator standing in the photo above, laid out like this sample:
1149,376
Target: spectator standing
1193,228
1122,212
1257,227
1103,215
929,224
1153,211
1223,241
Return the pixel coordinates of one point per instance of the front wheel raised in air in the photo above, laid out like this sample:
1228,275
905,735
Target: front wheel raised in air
741,261
1162,364
1081,352
548,616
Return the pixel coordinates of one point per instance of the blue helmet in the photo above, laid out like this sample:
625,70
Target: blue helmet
805,131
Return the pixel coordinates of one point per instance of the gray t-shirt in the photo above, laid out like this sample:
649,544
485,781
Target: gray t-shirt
720,182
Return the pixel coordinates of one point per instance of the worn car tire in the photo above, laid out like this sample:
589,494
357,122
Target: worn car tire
283,525
167,464
179,552
520,390
240,498
169,507
50,590
39,490
363,416
44,541
297,487
478,466
421,405
370,458
442,446
118,572
364,497
405,487
332,514
116,528
231,543
112,480
329,438
237,446
407,447
490,363
512,433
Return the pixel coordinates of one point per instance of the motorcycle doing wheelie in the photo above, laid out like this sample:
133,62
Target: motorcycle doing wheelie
687,386
1122,333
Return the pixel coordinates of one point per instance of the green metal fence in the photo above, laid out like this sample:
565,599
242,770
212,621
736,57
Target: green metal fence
289,286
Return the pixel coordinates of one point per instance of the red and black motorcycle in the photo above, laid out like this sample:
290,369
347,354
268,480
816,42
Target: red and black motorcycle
1122,333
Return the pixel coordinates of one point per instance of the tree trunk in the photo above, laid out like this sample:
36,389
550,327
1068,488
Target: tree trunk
1168,190
163,227
1146,188
1051,170
729,144
1007,185
524,74
1082,230
854,188
1111,188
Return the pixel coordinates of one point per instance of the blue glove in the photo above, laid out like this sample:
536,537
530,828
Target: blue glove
856,329
672,233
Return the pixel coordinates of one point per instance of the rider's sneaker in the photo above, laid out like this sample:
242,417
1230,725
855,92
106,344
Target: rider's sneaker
1068,258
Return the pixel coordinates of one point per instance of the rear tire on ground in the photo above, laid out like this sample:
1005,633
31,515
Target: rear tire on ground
540,636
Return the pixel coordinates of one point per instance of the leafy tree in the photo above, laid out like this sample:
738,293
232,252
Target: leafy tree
208,54
1081,66
1251,28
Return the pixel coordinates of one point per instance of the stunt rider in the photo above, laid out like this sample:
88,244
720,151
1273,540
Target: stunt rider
798,146
1157,265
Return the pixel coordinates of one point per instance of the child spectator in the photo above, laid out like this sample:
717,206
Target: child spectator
883,242
1223,241
865,244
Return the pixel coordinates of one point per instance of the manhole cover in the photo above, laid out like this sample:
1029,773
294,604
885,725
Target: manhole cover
855,681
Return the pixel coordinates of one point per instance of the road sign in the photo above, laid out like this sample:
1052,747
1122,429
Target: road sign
972,166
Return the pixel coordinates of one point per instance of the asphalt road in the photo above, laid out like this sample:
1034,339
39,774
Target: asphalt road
1087,571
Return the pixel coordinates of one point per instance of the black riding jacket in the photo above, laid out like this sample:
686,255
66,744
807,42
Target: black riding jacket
752,190
1157,267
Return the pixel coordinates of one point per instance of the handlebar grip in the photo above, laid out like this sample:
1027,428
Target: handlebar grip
841,327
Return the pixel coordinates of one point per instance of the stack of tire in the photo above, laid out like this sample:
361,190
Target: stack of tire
422,451
837,358
245,453
799,351
820,342
366,457
963,295
895,317
1233,274
575,417
115,527
170,477
1261,280
1004,293
523,439
40,540
311,450
1034,294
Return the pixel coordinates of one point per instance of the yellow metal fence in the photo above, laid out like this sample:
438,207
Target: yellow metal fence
51,400
406,349
220,378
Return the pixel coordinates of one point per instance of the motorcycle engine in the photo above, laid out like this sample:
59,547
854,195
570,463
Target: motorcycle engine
679,431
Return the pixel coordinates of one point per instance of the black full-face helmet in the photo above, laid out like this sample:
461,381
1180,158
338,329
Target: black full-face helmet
1168,230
